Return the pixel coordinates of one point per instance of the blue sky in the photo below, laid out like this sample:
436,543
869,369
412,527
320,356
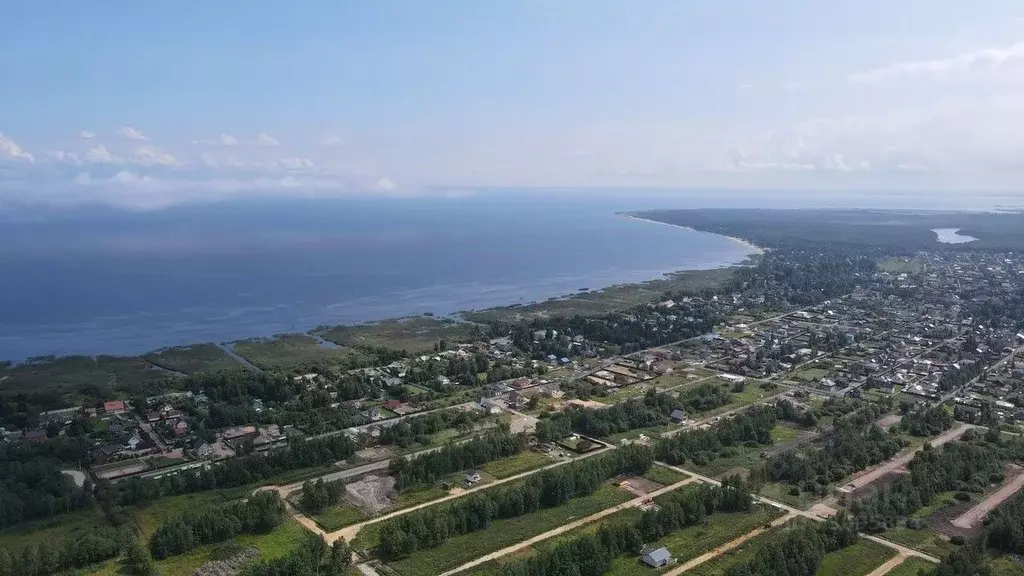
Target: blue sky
147,104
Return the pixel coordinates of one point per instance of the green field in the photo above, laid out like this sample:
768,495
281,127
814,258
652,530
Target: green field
720,565
149,518
912,567
53,529
690,542
522,462
206,357
856,560
278,543
1006,566
287,351
337,517
69,374
664,476
418,334
503,533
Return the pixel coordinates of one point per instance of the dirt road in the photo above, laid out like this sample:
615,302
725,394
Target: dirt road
568,527
901,460
708,556
350,532
976,514
888,566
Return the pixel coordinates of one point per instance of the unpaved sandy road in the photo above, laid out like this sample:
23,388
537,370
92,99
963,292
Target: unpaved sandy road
888,566
568,527
976,514
900,461
708,556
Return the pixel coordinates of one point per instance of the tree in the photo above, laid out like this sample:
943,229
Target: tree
138,559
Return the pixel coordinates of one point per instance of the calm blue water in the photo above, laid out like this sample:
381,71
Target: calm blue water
102,281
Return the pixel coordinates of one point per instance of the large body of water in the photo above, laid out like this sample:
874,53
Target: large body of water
103,281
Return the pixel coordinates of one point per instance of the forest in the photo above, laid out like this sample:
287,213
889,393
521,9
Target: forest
430,527
593,553
32,485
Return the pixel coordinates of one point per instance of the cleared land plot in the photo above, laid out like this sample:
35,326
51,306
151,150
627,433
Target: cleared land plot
926,540
418,334
276,544
206,357
1006,565
503,533
286,351
522,462
693,541
609,299
856,560
664,476
901,461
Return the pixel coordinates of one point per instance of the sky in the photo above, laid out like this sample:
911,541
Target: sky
144,105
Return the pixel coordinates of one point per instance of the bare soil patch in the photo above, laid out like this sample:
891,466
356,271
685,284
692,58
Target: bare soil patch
640,486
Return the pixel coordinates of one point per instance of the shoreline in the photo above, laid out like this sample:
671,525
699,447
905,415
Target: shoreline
458,315
746,243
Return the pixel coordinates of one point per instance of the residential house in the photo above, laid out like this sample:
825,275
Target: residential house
678,416
112,407
657,558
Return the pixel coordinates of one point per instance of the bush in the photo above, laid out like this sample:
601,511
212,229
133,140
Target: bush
962,496
794,491
958,540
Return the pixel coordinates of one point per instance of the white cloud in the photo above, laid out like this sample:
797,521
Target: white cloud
265,139
10,149
132,133
385,184
942,67
148,155
209,160
86,135
101,155
65,157
333,141
228,140
296,164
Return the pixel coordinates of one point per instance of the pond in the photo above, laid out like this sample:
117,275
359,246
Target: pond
952,236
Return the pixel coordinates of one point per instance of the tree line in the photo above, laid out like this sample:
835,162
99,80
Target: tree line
800,549
32,485
232,472
430,467
311,557
259,514
594,553
925,420
428,528
419,428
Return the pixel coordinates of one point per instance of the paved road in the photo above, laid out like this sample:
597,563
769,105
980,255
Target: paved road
568,527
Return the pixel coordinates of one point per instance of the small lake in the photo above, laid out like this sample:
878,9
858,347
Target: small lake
952,236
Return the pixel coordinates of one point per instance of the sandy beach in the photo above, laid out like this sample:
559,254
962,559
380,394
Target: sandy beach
741,241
